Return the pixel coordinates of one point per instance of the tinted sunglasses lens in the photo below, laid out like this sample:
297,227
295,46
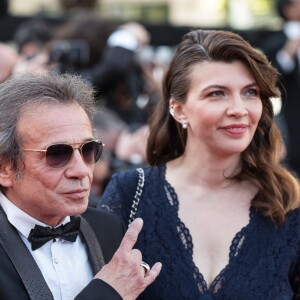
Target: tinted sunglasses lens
91,152
57,156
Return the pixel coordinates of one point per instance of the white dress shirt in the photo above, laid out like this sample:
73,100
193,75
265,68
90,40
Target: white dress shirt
64,265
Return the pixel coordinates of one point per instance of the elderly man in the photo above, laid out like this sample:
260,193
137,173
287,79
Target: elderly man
51,245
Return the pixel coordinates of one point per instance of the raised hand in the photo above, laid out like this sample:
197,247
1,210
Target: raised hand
124,272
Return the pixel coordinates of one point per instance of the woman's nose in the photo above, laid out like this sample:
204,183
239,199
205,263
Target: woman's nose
237,107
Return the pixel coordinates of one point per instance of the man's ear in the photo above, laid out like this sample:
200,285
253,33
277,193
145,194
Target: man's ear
6,174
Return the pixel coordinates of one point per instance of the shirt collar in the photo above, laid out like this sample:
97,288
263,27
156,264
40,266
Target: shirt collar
20,219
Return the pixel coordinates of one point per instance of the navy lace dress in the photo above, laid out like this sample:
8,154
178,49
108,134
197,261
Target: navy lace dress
264,260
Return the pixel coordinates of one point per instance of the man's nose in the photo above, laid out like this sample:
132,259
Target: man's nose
77,167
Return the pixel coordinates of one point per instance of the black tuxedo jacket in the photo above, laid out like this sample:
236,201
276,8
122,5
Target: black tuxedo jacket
109,231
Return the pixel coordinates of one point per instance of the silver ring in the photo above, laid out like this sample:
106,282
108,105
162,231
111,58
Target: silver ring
146,268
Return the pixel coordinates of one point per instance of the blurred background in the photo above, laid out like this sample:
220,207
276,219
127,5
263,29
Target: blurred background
236,13
122,48
157,14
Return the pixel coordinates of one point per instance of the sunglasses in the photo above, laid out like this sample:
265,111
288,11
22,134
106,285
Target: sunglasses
59,155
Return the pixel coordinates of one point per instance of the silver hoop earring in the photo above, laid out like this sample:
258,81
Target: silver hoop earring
184,124
171,111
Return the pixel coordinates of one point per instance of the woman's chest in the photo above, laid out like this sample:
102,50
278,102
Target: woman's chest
214,230
258,262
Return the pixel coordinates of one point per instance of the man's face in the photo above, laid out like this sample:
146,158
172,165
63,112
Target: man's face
292,11
46,193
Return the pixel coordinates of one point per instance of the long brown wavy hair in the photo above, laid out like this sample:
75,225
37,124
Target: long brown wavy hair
278,188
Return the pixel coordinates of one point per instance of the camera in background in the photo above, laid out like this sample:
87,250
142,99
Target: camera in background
69,55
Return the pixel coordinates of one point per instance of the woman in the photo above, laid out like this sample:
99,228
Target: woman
219,210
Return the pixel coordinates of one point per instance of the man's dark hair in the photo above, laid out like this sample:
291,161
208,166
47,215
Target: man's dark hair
36,31
281,5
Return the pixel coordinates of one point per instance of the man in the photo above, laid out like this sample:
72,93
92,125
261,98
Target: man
47,153
283,50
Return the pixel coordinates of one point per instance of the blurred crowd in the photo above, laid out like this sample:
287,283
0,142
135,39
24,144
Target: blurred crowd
283,50
115,58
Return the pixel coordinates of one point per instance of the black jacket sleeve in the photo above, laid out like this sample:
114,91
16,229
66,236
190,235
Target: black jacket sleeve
98,290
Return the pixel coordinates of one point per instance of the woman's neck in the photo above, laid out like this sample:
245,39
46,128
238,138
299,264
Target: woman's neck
206,170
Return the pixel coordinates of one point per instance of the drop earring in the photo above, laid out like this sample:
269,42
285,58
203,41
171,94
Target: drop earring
171,111
184,124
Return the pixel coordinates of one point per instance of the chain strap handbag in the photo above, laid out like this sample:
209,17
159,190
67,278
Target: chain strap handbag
137,196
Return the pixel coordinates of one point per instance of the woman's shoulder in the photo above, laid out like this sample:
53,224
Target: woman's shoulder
292,225
126,181
134,173
293,216
292,229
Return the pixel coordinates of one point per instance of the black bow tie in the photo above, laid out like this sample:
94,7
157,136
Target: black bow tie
40,235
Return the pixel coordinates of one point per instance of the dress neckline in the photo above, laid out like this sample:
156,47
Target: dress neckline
187,240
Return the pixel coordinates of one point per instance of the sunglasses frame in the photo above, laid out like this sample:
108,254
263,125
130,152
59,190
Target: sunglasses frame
71,145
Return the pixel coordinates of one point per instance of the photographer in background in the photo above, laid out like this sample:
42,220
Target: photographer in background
108,55
283,50
79,43
122,78
31,37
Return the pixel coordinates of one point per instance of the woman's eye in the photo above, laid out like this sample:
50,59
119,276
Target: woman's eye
216,94
252,92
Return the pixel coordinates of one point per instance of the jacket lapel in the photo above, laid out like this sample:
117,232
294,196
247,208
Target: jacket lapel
23,261
94,250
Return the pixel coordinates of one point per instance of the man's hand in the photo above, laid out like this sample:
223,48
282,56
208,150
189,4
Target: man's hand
124,272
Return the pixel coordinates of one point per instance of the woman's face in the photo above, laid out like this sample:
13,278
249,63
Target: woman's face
222,109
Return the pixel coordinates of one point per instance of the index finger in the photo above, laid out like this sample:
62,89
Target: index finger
131,235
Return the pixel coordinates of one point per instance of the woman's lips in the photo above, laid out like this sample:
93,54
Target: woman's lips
235,129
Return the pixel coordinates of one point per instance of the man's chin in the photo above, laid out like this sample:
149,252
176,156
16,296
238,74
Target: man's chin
78,209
